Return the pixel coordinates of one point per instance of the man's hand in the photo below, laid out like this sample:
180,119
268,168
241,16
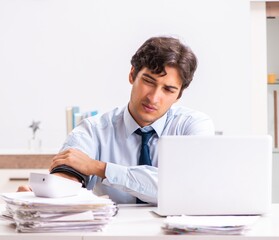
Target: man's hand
80,162
24,188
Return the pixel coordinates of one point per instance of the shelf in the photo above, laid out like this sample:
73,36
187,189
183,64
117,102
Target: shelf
25,161
25,151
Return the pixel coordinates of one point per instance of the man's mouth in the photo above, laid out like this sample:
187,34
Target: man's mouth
149,108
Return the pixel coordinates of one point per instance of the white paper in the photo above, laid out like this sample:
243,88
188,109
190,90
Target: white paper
84,212
209,224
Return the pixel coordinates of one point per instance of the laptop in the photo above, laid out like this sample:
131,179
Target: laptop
214,175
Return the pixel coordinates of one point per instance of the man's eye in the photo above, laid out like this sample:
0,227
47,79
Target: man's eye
147,81
169,90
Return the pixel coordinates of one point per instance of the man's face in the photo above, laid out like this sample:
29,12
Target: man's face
153,94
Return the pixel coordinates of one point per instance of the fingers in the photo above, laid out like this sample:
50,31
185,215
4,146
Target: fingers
62,155
77,160
24,188
67,157
59,159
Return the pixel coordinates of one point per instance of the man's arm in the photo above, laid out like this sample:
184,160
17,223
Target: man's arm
77,164
139,181
71,164
70,173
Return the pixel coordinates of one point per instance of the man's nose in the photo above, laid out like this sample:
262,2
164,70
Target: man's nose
154,95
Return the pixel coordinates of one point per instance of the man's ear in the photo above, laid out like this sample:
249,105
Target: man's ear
131,79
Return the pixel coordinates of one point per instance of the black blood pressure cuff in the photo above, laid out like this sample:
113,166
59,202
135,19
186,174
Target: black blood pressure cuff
84,179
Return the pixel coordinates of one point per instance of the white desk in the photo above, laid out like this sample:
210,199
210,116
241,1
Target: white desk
141,223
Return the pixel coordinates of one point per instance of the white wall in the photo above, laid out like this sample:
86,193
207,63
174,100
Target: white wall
272,46
258,67
56,53
272,67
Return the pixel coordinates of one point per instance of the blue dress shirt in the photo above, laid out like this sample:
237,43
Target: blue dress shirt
111,138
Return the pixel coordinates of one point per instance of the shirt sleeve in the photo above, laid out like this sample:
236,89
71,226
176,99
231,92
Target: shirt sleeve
201,127
197,124
139,181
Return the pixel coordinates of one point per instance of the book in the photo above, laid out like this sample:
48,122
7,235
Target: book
70,111
74,117
78,117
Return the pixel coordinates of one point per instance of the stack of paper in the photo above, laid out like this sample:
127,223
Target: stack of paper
84,212
208,224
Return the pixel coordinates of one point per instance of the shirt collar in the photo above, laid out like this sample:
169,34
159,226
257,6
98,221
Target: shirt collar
131,125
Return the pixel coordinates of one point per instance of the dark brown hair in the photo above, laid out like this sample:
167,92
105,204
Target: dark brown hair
158,52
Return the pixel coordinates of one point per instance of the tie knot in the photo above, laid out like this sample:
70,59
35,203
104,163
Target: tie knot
145,135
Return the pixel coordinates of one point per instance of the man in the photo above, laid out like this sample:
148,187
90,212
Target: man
107,147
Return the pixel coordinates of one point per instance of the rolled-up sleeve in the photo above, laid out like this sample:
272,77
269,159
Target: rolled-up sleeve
139,181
